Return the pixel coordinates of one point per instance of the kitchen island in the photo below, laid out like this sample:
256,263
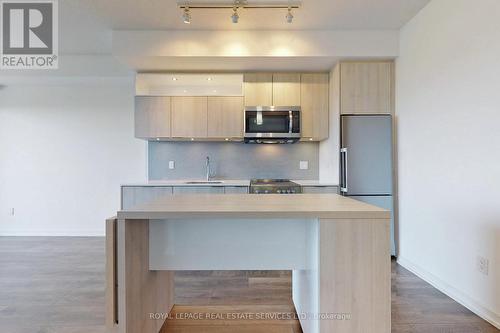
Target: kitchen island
336,247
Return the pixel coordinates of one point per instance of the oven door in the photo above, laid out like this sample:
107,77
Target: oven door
272,122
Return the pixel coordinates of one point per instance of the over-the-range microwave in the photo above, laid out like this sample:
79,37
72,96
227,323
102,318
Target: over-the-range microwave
272,124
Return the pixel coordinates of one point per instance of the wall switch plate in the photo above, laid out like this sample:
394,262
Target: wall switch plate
304,165
12,211
483,265
171,165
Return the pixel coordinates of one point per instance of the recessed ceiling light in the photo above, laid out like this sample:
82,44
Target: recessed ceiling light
209,79
157,139
186,16
215,91
227,139
192,139
174,79
310,139
185,91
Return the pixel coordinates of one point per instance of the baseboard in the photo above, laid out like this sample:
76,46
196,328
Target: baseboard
452,292
52,234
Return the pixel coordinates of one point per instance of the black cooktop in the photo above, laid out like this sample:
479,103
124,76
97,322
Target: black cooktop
278,182
281,186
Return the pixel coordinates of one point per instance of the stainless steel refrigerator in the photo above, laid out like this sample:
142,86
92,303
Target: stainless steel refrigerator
366,169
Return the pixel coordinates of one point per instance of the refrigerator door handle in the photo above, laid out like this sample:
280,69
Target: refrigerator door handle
343,180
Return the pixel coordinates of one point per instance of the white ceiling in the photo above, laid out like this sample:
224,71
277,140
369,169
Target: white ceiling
313,15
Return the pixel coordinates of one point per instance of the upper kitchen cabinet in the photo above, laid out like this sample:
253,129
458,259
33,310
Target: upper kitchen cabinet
366,87
225,117
188,84
258,89
286,89
152,117
189,117
314,106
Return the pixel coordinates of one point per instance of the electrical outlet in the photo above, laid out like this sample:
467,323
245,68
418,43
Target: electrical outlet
304,165
12,211
171,165
483,265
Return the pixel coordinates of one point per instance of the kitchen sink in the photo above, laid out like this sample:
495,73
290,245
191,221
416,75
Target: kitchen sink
205,182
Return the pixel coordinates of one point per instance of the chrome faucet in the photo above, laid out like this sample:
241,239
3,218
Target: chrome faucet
208,168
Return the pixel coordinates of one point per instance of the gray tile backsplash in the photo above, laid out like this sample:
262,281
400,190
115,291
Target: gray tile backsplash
232,160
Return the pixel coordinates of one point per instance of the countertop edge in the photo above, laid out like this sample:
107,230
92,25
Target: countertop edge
229,182
148,215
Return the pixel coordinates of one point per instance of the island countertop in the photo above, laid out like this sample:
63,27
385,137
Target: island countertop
254,206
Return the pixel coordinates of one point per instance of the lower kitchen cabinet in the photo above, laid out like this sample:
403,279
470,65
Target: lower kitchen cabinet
198,189
138,195
320,189
236,189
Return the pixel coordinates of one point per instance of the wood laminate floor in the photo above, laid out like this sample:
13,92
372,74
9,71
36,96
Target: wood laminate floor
56,285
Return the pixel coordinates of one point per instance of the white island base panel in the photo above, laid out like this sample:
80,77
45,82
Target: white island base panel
341,267
229,244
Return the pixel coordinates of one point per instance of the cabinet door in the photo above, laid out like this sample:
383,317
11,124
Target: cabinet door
198,189
235,189
320,189
258,89
225,117
152,117
366,87
189,117
139,195
286,89
128,197
314,106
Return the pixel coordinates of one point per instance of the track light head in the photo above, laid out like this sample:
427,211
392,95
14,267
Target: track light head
186,17
289,16
235,17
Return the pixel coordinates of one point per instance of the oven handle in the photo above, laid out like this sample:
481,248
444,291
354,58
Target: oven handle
290,122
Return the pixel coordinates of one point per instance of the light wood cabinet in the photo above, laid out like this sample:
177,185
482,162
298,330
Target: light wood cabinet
189,117
152,117
314,106
258,89
286,89
221,117
366,87
225,117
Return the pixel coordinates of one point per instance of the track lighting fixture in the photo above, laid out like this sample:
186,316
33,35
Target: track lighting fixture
186,5
289,16
186,17
235,17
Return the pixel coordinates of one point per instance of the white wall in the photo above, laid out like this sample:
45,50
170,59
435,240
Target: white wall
66,144
448,110
225,50
329,149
